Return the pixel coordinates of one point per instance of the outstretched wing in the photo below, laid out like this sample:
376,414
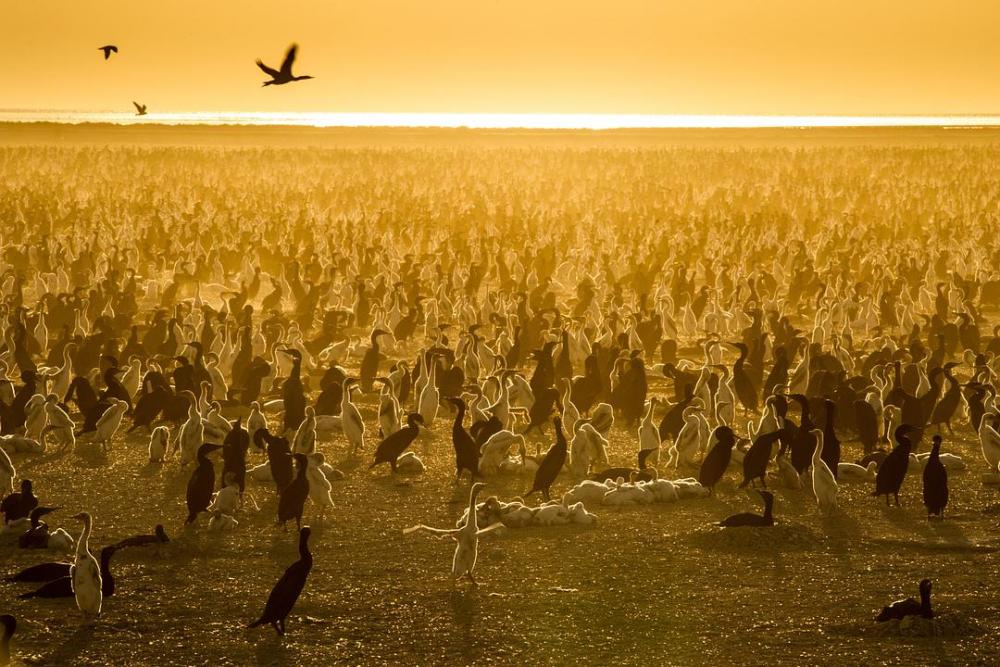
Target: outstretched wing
138,107
490,528
273,73
437,532
286,67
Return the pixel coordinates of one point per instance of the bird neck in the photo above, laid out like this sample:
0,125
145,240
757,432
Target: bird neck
82,546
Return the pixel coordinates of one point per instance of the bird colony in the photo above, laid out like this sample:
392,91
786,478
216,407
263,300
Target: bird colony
250,386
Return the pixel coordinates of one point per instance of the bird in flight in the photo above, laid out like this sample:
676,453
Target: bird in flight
140,109
108,50
283,76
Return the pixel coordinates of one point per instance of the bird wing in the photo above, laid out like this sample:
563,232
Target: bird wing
273,73
490,528
437,532
286,66
138,107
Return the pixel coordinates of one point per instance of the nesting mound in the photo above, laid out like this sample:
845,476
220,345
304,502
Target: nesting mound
946,625
783,536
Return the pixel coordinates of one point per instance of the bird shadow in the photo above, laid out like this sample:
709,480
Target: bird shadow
70,649
464,604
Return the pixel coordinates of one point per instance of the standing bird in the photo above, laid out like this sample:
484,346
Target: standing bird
935,481
201,484
286,592
718,457
892,472
467,538
9,628
370,362
140,109
108,50
86,573
466,452
283,76
390,448
292,499
553,462
824,482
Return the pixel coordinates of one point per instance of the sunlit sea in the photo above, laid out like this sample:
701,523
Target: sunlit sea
493,120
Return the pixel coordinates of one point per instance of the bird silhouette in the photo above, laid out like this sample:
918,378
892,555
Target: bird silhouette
140,109
283,76
108,50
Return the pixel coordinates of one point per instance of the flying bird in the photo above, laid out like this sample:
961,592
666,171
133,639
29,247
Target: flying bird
140,109
283,76
108,50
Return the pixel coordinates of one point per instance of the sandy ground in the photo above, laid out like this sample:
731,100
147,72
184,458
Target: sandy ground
657,584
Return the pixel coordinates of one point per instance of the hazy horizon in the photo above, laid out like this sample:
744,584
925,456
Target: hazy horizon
782,58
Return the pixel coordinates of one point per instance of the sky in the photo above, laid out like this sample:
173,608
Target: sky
789,57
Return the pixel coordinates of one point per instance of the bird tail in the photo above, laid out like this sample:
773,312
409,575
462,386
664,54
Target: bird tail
26,596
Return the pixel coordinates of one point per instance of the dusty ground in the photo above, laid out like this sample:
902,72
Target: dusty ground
656,584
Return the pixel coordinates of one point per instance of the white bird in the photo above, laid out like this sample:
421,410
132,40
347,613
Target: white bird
109,422
350,417
989,439
255,422
227,499
132,377
853,473
824,483
7,473
59,423
467,537
191,435
429,397
304,441
35,416
319,485
158,441
688,439
649,434
221,522
85,573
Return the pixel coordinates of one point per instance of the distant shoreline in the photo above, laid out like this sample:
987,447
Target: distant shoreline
46,132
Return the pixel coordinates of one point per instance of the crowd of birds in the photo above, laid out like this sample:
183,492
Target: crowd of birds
279,77
226,313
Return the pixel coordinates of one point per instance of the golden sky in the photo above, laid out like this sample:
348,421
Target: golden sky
508,56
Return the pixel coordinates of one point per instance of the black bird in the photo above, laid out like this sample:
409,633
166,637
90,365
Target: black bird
286,592
201,484
283,76
643,473
831,444
63,586
466,451
370,362
234,454
909,607
9,628
390,448
292,393
18,505
892,472
108,50
140,109
935,481
553,462
743,386
718,457
866,421
159,536
41,572
292,498
37,536
750,519
757,457
279,457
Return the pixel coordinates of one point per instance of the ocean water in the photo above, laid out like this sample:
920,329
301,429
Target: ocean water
494,120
